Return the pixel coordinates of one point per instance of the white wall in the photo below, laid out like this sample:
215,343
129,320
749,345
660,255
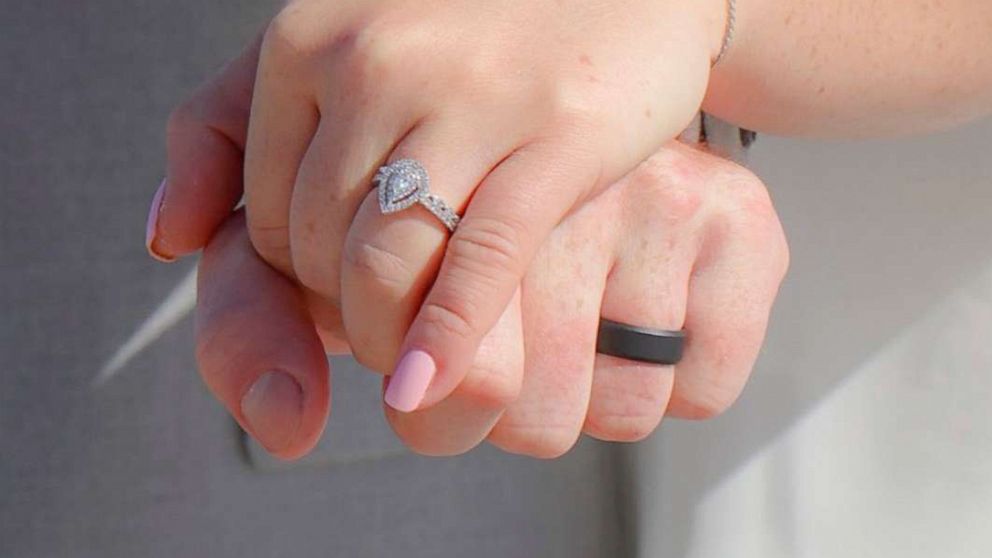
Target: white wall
867,427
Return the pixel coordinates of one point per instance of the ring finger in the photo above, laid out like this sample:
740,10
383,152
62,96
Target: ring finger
389,261
629,397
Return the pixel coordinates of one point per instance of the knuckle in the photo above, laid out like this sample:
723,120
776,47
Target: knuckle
699,408
422,436
480,259
703,402
751,216
681,204
430,446
708,400
576,109
470,71
669,166
373,53
731,356
626,415
315,274
342,192
205,347
452,320
674,200
315,261
486,248
742,177
768,238
371,354
545,441
670,186
622,427
179,120
368,50
287,39
745,193
709,394
216,336
489,388
784,257
381,267
271,243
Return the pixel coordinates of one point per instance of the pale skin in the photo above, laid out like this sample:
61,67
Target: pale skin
529,112
855,68
685,239
685,230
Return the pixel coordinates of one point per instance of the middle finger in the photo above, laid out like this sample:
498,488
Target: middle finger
562,294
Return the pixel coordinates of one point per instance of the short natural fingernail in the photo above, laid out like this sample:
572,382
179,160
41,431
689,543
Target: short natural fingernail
409,382
151,227
273,407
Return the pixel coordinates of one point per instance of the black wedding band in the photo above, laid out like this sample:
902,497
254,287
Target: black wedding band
657,346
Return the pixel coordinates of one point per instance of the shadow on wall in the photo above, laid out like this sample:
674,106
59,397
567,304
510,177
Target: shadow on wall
880,232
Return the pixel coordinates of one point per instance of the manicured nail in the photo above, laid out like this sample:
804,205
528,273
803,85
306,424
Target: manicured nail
409,382
273,407
151,228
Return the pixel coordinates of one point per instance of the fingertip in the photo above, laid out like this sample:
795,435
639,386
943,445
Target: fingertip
438,360
439,351
203,187
409,382
153,243
273,409
205,139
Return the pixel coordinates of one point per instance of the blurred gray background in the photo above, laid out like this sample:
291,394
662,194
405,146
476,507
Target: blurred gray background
866,430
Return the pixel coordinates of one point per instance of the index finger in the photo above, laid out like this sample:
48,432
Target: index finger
510,215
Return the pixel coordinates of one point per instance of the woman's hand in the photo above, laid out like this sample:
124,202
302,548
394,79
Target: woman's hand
686,237
686,240
520,110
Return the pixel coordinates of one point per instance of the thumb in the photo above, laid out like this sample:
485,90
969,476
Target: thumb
205,140
256,345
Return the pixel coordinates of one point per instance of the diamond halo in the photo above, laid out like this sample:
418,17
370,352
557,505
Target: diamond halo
404,183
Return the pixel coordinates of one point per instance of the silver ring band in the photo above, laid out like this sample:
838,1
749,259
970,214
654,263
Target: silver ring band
404,183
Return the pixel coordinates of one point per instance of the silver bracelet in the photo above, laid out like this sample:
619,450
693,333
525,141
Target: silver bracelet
728,33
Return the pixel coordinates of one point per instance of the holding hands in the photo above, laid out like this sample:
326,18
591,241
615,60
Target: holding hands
547,129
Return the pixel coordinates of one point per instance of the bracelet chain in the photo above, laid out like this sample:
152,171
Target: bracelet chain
728,34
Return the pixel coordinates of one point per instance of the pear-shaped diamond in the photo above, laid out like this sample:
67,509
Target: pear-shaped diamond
401,184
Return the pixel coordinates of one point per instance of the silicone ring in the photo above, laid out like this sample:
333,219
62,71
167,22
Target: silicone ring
644,344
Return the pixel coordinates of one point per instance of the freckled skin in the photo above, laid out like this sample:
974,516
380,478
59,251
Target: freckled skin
872,68
715,252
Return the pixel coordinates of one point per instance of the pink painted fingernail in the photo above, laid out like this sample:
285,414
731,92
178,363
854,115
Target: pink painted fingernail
273,407
151,228
409,382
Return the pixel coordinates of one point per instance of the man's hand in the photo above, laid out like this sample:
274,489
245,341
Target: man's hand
520,110
686,239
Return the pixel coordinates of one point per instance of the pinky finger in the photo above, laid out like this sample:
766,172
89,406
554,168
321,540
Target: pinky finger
205,139
730,299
